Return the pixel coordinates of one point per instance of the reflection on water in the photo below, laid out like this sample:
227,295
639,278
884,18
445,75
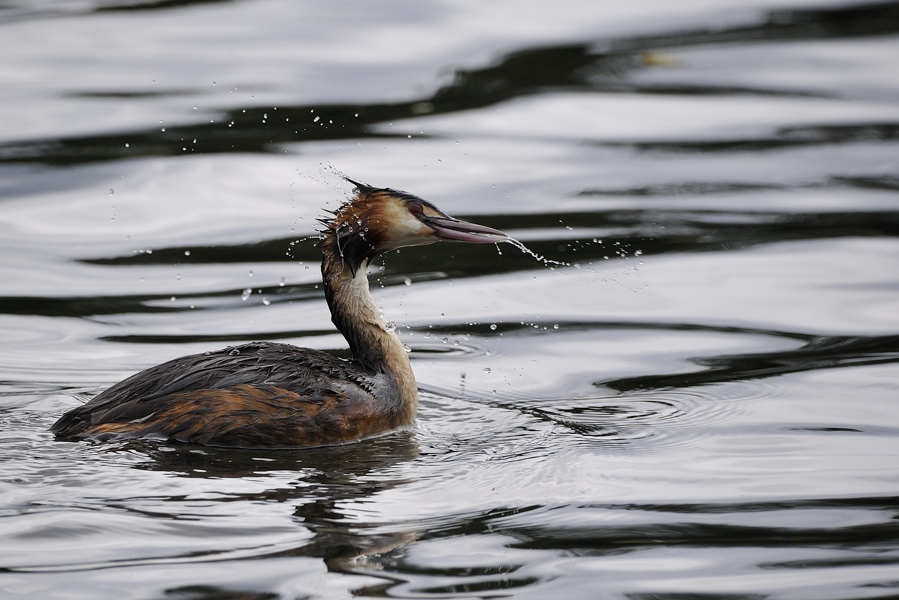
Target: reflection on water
584,67
321,479
691,397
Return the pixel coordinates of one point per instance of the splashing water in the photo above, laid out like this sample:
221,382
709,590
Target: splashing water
326,174
290,247
543,259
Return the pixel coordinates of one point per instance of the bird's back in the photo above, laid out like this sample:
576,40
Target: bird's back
258,395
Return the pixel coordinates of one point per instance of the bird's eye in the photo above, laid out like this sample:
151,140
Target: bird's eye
415,208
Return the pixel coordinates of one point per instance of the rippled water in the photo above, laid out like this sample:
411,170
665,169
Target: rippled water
701,404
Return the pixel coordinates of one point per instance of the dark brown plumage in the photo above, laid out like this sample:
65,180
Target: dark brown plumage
268,395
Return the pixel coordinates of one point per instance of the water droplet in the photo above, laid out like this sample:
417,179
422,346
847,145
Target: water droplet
407,347
172,299
266,301
390,326
543,259
407,281
556,326
281,283
487,370
187,253
234,352
246,294
493,327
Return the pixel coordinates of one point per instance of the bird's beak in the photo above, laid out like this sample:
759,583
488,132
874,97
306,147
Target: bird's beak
448,228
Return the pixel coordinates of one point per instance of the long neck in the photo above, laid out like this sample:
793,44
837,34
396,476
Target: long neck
373,345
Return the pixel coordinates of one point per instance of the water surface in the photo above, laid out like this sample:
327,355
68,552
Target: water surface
699,403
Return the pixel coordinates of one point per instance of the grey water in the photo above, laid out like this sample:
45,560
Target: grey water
698,402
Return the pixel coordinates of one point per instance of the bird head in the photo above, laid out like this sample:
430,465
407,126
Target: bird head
378,220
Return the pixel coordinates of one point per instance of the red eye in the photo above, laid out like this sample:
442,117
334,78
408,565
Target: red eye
415,208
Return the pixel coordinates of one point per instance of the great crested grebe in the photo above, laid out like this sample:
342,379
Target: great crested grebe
269,395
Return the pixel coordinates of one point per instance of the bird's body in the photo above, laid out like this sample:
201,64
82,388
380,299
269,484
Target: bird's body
268,395
257,395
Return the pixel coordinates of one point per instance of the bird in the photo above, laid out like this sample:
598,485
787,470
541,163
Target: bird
276,395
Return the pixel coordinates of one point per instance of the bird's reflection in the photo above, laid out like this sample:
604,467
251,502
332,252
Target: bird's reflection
327,478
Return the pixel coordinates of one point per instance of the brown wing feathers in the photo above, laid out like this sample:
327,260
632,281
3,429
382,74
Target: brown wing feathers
255,395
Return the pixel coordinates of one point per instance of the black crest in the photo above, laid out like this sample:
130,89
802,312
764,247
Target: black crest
346,234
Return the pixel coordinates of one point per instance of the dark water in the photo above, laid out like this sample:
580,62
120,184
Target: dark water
701,405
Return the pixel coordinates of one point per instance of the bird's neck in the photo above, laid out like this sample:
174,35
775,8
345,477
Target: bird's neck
373,342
